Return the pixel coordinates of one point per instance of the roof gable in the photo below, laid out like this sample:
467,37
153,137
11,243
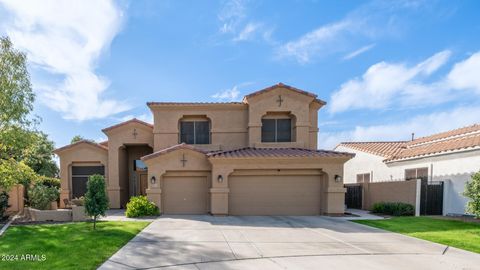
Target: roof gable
172,149
80,143
133,121
288,87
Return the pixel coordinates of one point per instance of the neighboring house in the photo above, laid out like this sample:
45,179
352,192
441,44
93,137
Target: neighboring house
255,157
451,156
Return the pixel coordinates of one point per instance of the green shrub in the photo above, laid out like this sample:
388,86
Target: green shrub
472,191
96,200
41,196
48,181
140,206
394,208
3,203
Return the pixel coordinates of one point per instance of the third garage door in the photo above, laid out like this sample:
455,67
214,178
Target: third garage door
185,195
275,195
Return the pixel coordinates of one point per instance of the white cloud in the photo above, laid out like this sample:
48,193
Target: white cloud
231,15
421,125
66,39
248,32
466,74
358,51
228,94
319,41
385,82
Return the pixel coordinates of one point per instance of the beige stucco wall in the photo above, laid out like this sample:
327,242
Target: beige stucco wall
298,105
393,191
15,199
83,154
228,124
117,158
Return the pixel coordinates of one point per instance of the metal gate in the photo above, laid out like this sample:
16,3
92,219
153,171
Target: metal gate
353,197
431,198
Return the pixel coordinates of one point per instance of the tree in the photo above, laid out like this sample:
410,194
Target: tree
96,200
13,172
472,191
39,155
16,94
77,138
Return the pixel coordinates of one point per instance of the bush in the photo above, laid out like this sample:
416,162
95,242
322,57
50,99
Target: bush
472,191
96,200
41,196
3,203
140,206
394,208
48,181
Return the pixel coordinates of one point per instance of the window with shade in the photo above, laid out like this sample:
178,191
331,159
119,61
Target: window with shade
277,130
195,132
417,173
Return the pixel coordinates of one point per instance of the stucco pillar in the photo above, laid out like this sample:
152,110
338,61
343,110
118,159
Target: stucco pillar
334,192
154,192
254,133
302,133
113,187
219,191
64,183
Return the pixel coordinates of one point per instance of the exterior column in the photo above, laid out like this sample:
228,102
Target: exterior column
64,183
113,187
154,192
219,191
334,192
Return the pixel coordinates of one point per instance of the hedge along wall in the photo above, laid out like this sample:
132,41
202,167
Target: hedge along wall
16,199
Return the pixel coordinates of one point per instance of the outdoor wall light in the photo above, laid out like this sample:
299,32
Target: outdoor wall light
338,178
153,180
220,178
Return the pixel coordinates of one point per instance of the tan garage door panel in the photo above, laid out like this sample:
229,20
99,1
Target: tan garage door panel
185,195
275,195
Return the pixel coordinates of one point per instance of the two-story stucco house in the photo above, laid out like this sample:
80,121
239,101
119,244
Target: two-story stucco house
255,157
451,157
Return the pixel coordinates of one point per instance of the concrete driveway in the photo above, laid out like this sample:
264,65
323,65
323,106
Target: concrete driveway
206,242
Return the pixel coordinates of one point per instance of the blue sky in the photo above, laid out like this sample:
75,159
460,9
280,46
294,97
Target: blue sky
385,68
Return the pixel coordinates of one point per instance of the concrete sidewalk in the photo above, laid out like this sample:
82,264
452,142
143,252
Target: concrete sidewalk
206,242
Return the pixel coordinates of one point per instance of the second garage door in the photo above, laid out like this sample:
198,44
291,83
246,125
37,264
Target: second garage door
275,195
185,195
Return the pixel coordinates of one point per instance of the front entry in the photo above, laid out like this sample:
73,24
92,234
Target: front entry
185,195
141,178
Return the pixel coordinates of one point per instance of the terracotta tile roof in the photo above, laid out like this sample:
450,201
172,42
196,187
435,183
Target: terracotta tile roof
270,88
134,120
104,143
250,152
465,138
171,149
383,149
66,147
459,139
447,135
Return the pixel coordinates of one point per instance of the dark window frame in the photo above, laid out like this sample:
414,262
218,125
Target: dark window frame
197,139
279,136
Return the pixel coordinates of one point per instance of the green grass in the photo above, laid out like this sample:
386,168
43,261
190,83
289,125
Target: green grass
65,246
459,234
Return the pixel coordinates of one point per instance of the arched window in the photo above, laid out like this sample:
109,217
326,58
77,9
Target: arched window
195,130
277,127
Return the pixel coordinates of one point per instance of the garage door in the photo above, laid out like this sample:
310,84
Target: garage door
275,195
185,195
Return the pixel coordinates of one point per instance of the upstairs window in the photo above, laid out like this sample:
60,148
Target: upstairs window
195,132
276,130
363,178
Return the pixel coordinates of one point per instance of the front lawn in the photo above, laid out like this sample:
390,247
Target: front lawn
64,246
464,235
